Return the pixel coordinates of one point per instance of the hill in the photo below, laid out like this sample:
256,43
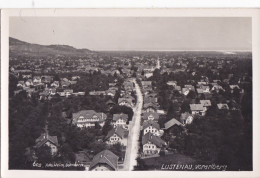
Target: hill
21,48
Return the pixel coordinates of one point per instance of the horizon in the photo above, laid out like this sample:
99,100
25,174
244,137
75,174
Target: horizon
144,50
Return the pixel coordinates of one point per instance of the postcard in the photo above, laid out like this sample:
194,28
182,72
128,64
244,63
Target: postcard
172,91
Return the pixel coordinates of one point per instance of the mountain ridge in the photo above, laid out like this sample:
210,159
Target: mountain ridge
22,48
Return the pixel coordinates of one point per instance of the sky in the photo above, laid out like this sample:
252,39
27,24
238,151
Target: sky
136,33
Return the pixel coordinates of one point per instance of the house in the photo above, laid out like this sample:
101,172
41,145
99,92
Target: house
185,91
112,84
64,84
205,103
216,87
172,83
93,93
37,79
73,82
151,126
50,141
146,91
127,72
177,88
29,82
149,107
186,118
128,85
46,79
151,116
65,79
148,74
146,84
38,86
226,81
120,120
111,92
110,103
232,87
152,144
223,106
68,92
29,91
151,95
200,91
81,93
43,95
216,81
205,88
27,76
127,96
117,135
201,83
51,91
62,93
75,77
125,102
190,87
104,161
88,118
172,123
20,84
17,92
115,71
150,98
198,109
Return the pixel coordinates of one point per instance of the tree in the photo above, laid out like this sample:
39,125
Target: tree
12,84
191,94
140,165
97,146
66,153
117,109
162,153
172,110
185,107
97,126
44,154
107,127
236,94
162,120
117,149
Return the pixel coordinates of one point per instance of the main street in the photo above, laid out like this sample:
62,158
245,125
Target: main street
134,131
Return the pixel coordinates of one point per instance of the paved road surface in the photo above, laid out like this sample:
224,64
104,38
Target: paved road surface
134,131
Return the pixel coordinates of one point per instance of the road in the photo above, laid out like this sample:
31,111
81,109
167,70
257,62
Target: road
134,131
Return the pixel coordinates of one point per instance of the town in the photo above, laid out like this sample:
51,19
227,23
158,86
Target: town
124,111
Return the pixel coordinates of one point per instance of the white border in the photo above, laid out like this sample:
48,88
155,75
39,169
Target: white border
254,13
129,4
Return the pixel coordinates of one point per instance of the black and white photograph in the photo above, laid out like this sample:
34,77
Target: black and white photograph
137,93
